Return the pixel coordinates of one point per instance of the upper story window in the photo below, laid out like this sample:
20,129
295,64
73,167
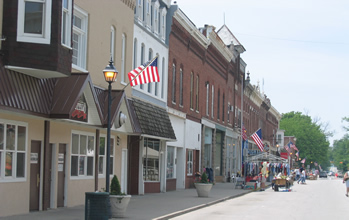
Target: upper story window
212,102
181,87
150,57
156,92
13,150
82,154
142,59
112,43
66,22
34,21
223,108
156,20
79,39
123,58
139,10
163,24
173,83
135,53
147,15
163,79
197,94
218,104
207,97
191,90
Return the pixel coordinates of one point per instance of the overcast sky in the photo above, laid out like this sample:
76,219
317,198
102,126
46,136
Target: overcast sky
297,50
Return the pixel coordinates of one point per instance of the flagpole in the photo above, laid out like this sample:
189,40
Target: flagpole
141,71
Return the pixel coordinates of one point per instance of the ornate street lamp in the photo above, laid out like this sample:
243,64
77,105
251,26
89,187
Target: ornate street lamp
110,74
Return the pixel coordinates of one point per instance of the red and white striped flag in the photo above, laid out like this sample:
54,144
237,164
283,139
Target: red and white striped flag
287,148
146,73
257,137
294,147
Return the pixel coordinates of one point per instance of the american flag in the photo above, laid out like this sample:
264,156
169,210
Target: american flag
297,154
146,73
287,148
292,145
243,132
257,137
303,161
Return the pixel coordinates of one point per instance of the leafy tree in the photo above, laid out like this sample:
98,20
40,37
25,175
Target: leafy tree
341,153
311,137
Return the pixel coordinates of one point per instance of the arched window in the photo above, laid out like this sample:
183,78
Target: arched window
123,58
174,83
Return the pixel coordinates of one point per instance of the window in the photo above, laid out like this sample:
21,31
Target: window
207,155
191,89
207,97
82,155
163,25
142,59
163,78
190,163
180,87
150,57
13,150
151,154
112,43
156,20
135,54
170,173
218,104
223,108
156,92
173,83
66,22
102,155
79,39
197,93
123,58
212,103
34,21
140,10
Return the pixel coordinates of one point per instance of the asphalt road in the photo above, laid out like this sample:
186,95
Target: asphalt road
317,199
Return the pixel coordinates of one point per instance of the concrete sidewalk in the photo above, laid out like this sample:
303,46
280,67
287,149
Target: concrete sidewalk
149,206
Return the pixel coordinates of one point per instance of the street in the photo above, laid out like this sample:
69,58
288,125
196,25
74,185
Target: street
317,199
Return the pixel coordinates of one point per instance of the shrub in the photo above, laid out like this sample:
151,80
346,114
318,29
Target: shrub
115,188
204,178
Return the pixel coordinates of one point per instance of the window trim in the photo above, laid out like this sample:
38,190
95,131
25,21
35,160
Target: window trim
78,12
190,160
13,178
45,37
68,27
85,176
112,155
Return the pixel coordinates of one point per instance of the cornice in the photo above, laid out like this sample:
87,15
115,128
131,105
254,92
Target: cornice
130,3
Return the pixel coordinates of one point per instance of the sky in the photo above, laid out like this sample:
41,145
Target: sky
297,50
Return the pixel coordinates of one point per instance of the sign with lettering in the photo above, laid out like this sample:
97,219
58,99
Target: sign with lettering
34,157
60,158
80,112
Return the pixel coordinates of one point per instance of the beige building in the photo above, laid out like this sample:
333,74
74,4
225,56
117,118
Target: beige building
53,100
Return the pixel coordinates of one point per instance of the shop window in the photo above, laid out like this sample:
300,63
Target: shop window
190,163
151,155
13,151
82,155
170,173
102,155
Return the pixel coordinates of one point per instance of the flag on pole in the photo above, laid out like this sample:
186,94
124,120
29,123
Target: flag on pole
146,73
297,154
257,137
292,145
244,132
303,161
287,148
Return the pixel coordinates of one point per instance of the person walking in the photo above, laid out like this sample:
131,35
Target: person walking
346,181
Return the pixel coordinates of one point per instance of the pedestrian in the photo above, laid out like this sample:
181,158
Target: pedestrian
302,179
298,174
346,181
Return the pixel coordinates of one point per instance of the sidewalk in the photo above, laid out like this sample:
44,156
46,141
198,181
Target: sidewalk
149,206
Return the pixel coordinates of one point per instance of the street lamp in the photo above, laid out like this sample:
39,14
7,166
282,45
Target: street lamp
110,74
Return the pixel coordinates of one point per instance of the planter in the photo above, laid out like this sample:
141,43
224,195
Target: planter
118,205
203,189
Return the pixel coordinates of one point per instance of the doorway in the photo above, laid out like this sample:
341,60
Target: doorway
35,175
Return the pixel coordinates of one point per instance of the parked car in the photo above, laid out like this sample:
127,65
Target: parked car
340,175
323,174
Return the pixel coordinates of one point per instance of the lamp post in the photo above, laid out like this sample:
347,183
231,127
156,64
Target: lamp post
110,74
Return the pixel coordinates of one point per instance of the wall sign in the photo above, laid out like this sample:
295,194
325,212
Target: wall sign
34,157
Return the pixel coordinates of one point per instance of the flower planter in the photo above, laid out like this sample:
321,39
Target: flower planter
203,189
118,205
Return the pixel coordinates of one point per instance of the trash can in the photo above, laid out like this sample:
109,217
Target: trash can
97,206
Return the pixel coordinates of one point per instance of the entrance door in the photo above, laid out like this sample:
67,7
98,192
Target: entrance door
34,175
61,175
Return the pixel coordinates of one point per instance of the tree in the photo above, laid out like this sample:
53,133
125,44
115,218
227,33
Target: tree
341,153
311,137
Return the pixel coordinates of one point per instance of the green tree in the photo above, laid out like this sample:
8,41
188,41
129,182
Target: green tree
341,153
311,141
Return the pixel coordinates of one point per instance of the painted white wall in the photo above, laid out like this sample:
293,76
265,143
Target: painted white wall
180,168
